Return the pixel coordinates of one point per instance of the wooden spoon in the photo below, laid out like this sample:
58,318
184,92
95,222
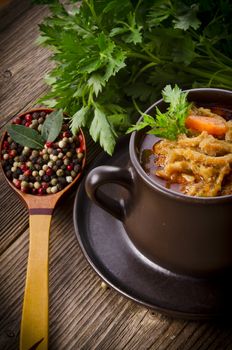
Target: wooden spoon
34,323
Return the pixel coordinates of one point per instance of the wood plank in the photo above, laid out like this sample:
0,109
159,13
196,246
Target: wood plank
23,64
82,314
10,10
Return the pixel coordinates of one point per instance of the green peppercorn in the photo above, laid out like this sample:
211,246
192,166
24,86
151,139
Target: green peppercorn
37,185
69,154
62,144
29,164
73,174
45,156
54,182
45,167
54,189
50,164
34,123
80,155
59,172
26,151
41,172
48,190
24,184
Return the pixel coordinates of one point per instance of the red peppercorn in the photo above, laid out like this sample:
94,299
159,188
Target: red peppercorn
27,124
24,189
69,167
17,120
40,191
44,185
66,134
49,172
12,153
28,117
80,149
27,172
5,144
49,144
24,168
17,183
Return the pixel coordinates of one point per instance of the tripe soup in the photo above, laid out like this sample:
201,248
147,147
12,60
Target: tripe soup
198,163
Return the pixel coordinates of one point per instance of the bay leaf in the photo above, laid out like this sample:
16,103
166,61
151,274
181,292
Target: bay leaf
26,136
52,125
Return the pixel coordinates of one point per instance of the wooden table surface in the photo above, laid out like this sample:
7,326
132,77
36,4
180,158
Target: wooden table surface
82,314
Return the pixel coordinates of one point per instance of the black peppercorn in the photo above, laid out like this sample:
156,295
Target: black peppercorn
42,114
46,178
35,115
55,152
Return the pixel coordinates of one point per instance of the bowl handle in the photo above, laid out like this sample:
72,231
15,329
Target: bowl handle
105,175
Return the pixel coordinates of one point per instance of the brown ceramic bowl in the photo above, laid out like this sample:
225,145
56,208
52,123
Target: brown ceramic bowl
188,235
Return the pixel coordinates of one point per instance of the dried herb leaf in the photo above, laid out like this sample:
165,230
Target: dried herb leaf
52,125
26,136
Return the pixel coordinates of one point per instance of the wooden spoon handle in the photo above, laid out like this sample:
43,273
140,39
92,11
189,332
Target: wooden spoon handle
34,324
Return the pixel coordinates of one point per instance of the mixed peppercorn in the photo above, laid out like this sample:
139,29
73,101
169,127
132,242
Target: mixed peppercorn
44,171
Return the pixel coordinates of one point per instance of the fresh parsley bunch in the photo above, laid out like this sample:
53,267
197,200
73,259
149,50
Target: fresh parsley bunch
113,55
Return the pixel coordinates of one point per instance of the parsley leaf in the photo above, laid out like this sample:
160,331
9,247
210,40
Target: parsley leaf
171,123
102,131
188,19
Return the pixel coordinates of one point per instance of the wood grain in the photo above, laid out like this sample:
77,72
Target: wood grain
82,314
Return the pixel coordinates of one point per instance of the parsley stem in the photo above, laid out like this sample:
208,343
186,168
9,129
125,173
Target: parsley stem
154,58
204,74
139,55
91,7
137,107
147,66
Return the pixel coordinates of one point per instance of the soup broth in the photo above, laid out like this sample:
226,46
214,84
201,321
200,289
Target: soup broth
197,164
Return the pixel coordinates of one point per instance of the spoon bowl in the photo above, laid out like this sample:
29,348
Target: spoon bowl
34,323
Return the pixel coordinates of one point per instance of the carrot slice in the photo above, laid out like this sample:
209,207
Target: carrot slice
212,125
